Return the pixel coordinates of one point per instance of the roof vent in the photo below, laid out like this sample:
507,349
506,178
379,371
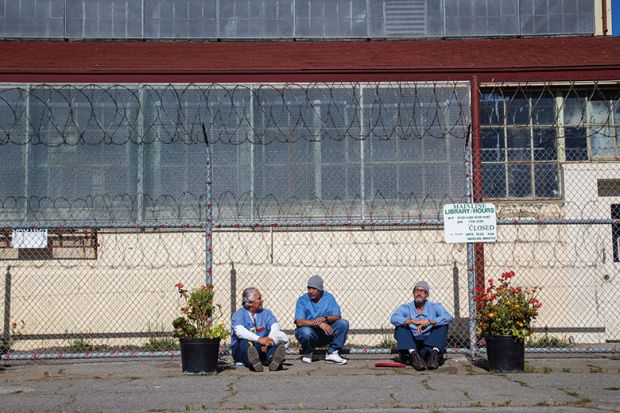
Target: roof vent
405,18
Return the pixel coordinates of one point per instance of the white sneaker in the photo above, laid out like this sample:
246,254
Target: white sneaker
334,357
307,359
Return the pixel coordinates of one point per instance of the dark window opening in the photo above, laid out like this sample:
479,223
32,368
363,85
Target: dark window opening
66,244
608,187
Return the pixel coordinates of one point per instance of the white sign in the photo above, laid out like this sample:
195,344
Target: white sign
469,223
29,238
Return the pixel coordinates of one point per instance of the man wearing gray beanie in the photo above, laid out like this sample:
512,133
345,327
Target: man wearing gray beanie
319,323
421,329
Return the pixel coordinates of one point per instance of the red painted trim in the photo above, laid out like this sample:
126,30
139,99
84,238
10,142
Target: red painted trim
513,75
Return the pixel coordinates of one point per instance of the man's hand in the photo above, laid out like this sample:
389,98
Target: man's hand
318,321
265,341
420,323
327,329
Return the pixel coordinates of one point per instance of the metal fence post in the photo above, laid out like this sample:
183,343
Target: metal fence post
474,194
208,212
476,173
233,288
6,332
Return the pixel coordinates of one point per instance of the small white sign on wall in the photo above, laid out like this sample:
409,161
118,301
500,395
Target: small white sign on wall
29,238
469,223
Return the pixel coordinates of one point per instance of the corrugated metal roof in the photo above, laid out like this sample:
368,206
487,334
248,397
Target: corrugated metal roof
500,59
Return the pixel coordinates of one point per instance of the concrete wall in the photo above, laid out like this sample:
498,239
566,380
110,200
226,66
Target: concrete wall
130,287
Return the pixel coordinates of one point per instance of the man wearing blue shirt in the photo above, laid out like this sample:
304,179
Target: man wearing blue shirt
421,329
319,323
256,336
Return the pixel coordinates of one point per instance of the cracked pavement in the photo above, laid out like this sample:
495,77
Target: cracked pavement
552,383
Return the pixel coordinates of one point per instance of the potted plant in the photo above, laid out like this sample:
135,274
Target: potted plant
504,315
197,331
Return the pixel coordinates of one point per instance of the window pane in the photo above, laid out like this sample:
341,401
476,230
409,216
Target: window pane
602,142
492,144
517,110
545,144
492,109
599,113
519,144
334,150
576,144
378,149
546,175
413,180
411,149
341,182
437,181
435,149
383,181
493,180
543,109
519,180
574,110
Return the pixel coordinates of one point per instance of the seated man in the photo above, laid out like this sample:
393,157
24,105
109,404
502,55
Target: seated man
318,321
421,329
256,336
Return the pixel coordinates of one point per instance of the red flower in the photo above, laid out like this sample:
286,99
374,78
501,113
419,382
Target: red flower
508,275
179,286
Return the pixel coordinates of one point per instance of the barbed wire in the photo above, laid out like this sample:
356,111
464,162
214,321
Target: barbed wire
228,207
92,114
558,104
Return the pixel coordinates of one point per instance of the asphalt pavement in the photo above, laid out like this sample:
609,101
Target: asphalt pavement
551,383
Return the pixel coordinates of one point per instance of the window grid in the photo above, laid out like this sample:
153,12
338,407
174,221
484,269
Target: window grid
583,126
510,160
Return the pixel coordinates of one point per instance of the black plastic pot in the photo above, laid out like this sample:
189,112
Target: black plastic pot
199,355
505,353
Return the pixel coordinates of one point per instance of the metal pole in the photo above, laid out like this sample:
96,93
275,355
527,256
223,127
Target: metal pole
208,212
362,155
6,332
140,178
471,276
471,197
476,174
471,280
26,157
233,288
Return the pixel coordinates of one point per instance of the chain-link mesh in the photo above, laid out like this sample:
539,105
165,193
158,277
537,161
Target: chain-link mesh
550,160
344,180
121,154
338,179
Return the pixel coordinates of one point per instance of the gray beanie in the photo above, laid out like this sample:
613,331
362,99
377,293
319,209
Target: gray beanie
423,284
316,282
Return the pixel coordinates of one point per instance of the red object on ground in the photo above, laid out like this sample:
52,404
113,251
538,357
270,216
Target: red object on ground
389,364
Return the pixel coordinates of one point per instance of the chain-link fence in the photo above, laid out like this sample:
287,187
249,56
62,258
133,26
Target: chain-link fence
549,157
107,197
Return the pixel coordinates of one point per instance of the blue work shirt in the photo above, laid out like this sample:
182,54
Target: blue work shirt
264,320
432,310
306,309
